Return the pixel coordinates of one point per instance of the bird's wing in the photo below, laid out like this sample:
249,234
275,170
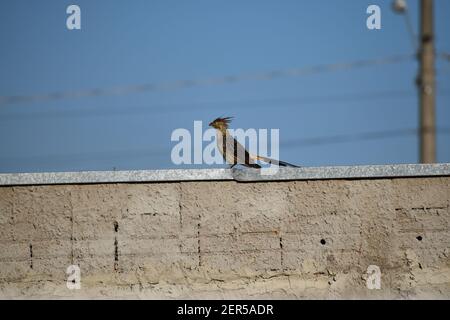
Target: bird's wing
237,150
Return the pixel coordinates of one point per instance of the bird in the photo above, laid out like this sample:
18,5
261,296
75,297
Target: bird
233,152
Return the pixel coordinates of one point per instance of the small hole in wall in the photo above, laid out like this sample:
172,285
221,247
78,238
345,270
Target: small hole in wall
116,226
323,242
419,238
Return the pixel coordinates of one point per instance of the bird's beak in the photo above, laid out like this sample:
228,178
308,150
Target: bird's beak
210,124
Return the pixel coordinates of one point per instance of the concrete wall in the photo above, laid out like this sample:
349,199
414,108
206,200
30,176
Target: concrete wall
225,239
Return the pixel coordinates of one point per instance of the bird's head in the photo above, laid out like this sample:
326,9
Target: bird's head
221,123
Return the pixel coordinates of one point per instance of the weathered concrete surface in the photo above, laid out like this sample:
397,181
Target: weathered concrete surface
293,239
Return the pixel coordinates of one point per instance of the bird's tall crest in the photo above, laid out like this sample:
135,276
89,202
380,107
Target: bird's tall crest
226,120
221,122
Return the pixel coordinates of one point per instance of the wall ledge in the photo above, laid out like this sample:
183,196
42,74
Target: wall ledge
174,175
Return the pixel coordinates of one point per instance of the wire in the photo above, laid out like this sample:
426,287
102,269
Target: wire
182,84
277,102
345,138
163,152
411,32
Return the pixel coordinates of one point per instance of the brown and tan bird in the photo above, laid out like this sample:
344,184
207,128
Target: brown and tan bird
233,152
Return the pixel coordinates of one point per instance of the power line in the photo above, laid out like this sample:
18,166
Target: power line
411,32
277,102
401,7
163,152
345,138
182,84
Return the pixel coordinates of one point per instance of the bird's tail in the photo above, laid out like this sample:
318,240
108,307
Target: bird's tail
276,162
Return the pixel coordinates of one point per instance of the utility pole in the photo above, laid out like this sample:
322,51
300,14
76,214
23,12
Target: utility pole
426,84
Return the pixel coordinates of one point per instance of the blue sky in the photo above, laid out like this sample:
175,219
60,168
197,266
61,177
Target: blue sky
140,42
